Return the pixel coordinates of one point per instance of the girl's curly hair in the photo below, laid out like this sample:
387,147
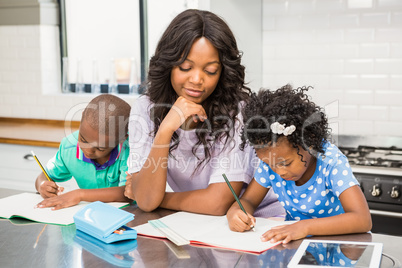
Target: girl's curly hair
222,106
290,107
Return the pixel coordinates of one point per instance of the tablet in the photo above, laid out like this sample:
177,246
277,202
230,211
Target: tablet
332,253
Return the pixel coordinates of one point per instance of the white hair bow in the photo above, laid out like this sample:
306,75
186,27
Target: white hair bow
278,128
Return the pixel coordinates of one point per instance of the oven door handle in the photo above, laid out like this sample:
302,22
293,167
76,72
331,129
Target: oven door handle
386,213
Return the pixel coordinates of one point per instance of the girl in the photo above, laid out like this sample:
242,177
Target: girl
185,130
310,176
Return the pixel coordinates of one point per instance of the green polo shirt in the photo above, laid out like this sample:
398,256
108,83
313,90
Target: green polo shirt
69,162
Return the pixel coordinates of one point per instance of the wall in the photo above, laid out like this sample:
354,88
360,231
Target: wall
30,63
349,50
245,20
30,53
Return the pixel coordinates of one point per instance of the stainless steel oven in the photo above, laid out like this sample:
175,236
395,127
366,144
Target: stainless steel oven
377,165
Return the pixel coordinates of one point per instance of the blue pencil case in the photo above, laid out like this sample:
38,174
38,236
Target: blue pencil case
101,220
117,253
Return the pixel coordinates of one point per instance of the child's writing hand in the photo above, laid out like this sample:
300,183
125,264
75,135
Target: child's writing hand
128,190
181,110
49,189
239,221
286,233
62,201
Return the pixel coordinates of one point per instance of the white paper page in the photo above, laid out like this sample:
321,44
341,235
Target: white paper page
147,229
183,223
191,225
23,205
214,230
247,241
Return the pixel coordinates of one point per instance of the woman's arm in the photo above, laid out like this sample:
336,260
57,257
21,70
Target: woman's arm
213,200
149,184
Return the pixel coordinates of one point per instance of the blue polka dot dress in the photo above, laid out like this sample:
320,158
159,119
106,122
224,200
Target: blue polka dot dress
329,255
318,197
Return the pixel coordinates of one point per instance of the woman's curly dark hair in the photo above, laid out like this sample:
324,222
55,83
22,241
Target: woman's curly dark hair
222,105
290,107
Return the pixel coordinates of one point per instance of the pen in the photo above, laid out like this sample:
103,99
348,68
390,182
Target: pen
235,196
44,171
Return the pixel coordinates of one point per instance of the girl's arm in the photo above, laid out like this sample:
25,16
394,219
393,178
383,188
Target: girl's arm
251,199
149,184
356,219
112,194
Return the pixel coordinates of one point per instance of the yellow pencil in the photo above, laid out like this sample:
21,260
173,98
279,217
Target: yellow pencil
44,171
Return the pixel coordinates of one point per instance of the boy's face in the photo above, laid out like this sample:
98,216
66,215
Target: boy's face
284,160
94,145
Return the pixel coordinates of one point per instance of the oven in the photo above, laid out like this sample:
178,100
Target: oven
376,163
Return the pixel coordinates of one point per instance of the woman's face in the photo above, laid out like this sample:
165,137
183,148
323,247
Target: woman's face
196,78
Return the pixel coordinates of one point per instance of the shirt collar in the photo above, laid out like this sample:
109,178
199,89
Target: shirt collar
114,155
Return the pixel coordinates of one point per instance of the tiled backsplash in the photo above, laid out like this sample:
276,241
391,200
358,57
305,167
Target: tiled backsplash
349,50
30,75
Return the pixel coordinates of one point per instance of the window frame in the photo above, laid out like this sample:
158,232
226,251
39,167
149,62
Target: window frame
144,59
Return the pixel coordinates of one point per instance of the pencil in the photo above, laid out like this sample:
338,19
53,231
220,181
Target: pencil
235,196
118,232
44,171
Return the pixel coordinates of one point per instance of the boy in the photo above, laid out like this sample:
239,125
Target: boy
95,155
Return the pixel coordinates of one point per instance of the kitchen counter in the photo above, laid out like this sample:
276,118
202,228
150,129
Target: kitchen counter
28,244
35,132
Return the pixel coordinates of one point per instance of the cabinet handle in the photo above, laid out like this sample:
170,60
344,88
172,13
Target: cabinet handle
28,157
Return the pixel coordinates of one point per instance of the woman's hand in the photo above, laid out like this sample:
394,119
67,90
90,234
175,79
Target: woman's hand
180,111
238,220
62,201
286,233
49,189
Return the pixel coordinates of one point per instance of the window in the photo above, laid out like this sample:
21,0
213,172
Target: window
103,45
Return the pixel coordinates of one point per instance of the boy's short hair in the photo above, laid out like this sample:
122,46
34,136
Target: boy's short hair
109,115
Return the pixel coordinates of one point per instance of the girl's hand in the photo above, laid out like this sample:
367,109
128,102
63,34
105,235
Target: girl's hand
239,221
49,189
286,233
180,111
62,201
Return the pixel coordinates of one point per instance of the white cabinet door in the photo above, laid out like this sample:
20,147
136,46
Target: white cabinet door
18,169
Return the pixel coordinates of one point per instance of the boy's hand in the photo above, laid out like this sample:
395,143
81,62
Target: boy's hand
128,191
286,233
238,220
49,189
61,201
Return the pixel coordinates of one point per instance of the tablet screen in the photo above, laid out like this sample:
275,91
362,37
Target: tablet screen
325,253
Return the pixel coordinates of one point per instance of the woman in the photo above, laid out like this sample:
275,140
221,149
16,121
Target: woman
185,130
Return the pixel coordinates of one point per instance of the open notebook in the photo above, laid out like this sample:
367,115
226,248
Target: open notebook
23,206
213,231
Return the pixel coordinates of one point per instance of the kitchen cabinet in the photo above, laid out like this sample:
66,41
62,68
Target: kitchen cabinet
18,169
